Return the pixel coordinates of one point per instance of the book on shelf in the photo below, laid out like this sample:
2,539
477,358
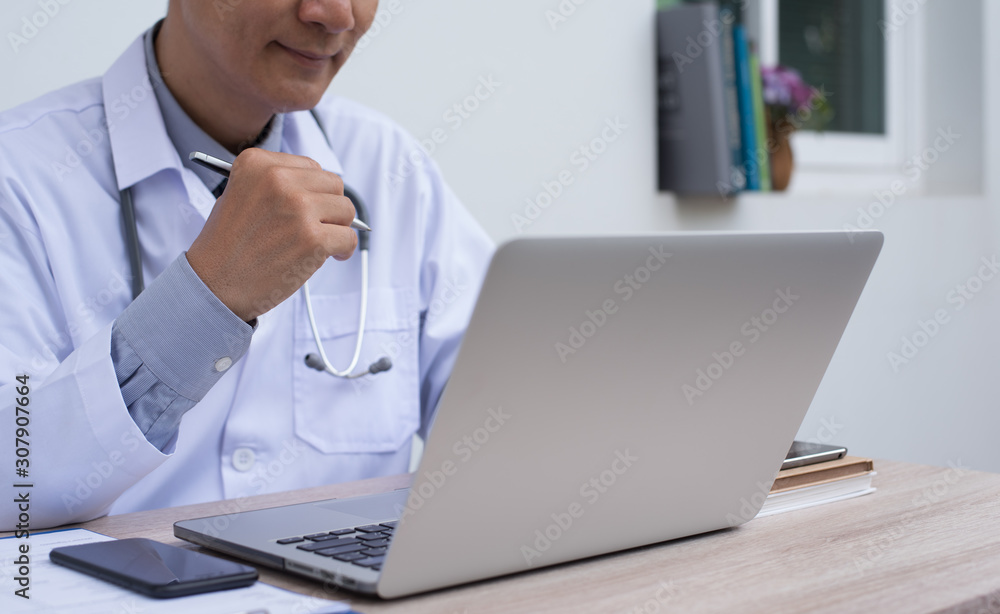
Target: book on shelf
744,94
727,17
694,149
711,126
761,154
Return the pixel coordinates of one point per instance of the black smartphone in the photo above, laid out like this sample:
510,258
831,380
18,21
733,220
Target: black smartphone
803,453
151,568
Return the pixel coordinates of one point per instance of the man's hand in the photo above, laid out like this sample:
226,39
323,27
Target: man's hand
279,219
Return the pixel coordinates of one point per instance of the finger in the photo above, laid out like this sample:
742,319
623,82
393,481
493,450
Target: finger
332,209
339,242
257,156
318,181
288,159
279,168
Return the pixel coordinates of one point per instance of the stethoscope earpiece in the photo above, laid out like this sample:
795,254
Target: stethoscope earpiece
313,361
380,365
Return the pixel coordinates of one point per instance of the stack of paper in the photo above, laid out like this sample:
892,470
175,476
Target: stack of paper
811,485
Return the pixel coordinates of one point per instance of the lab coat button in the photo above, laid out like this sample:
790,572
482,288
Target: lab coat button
223,363
243,459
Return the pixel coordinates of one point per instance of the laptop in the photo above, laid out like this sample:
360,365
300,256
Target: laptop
610,393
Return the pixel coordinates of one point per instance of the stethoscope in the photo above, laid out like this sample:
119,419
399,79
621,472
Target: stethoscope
319,361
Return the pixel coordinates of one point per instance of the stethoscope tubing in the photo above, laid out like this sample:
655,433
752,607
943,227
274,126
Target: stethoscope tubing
131,231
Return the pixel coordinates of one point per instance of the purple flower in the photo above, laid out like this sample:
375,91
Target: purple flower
784,87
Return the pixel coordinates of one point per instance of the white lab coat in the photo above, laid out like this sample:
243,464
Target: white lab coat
270,423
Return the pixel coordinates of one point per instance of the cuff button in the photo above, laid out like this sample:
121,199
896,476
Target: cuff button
243,459
223,363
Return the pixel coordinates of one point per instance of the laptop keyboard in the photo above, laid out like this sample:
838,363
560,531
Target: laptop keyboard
364,546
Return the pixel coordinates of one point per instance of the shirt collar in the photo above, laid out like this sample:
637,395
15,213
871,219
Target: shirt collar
143,141
185,134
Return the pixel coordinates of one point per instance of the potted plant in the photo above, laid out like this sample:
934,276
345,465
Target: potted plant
790,103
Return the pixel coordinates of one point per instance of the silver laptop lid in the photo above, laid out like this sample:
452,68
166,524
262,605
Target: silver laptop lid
613,392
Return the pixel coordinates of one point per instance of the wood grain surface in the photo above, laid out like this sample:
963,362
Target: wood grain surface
927,541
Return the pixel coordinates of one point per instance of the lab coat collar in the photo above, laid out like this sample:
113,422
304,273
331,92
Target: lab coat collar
140,145
139,142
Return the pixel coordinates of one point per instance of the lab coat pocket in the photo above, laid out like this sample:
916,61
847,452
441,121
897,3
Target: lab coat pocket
374,413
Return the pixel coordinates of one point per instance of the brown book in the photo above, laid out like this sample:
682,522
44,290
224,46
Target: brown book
821,473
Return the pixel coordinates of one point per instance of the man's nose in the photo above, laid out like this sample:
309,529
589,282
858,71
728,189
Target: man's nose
334,15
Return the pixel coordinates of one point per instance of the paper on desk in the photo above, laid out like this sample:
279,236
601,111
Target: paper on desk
58,589
809,496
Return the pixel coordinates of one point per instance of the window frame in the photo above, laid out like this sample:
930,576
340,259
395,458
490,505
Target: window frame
852,162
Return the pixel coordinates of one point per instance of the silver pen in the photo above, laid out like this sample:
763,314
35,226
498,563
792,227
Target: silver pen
224,168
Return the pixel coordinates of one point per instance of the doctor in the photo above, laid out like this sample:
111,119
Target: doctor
198,390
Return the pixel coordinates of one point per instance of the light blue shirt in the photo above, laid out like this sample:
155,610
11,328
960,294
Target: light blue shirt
184,367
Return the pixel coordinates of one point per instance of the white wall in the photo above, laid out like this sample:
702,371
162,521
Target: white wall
559,87
79,40
954,53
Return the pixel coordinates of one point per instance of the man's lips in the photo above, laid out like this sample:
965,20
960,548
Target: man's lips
308,58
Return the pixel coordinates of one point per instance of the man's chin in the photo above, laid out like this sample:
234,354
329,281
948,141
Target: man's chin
300,102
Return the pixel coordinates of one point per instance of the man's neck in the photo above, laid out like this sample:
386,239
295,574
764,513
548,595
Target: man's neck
199,89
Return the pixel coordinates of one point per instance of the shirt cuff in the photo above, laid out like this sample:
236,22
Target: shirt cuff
182,333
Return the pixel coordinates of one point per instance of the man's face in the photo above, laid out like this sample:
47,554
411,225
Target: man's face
281,54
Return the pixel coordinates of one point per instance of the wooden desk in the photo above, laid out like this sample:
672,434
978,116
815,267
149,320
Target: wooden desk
927,541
